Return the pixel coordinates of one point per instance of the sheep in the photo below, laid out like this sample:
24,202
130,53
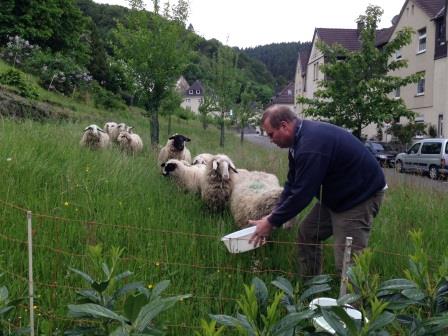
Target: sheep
111,128
94,138
216,184
203,158
130,143
122,127
175,149
186,176
254,195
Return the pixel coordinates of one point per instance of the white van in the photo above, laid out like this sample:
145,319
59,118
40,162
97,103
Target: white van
426,156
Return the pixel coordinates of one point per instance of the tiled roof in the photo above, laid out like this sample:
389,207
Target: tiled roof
431,7
349,38
196,86
285,96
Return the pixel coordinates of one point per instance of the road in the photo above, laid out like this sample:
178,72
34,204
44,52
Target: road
393,178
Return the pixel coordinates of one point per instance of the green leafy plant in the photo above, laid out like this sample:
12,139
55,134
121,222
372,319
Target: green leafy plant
99,305
258,317
209,329
7,306
16,79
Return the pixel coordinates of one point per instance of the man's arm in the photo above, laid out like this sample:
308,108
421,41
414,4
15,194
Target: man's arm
309,173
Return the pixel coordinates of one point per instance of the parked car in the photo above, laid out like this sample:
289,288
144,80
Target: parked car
427,156
382,152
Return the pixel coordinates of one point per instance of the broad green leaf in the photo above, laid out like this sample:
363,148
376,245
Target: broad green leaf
148,313
314,290
381,321
133,305
159,288
318,280
291,321
89,295
3,294
120,331
123,275
398,284
284,285
6,309
131,287
82,274
244,322
348,299
345,318
94,310
414,294
226,320
438,323
261,291
332,319
106,270
101,286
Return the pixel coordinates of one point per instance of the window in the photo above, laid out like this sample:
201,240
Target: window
397,93
446,148
316,71
198,91
421,86
431,148
414,149
190,91
421,40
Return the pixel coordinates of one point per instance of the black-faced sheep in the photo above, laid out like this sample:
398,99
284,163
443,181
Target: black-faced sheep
254,195
94,138
175,149
111,128
130,143
217,183
188,177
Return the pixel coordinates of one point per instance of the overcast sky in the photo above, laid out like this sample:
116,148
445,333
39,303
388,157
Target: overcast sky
248,23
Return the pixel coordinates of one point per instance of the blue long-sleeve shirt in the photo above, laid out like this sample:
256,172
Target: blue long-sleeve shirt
328,156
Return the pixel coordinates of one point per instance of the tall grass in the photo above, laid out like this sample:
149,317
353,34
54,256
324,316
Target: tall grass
80,197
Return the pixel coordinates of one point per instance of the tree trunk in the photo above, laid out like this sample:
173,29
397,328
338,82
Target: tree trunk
154,127
242,133
221,139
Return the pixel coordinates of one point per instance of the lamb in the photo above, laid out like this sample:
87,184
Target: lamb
111,128
186,176
175,149
203,158
130,143
254,195
94,138
217,182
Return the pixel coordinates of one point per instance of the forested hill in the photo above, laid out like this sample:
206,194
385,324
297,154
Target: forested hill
279,58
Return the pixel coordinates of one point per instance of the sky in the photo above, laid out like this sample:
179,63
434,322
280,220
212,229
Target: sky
248,23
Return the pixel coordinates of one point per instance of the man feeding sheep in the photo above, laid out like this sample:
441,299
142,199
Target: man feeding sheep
329,163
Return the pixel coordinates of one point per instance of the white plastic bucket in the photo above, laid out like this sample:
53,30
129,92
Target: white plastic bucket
238,241
320,323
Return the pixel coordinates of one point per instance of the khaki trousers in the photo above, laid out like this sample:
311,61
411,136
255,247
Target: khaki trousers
321,223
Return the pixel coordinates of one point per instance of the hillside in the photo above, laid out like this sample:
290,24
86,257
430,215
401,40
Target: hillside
279,58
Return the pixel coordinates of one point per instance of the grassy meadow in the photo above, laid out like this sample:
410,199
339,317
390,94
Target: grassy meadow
80,197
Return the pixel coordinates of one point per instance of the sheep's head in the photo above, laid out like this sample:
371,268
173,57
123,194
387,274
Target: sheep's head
122,127
124,136
93,130
168,167
179,141
199,159
109,126
222,165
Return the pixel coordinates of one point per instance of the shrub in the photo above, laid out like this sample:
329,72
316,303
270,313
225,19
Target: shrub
17,50
16,79
106,99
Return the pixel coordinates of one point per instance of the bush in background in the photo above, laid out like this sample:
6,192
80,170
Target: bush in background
16,79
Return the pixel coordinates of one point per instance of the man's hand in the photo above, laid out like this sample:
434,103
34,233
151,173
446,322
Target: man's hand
262,231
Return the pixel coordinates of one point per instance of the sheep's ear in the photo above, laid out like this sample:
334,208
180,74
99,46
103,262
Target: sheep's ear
169,167
215,164
232,167
172,137
187,139
162,165
101,130
87,128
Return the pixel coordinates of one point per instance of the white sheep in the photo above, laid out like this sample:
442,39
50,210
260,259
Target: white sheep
254,195
203,158
216,185
175,149
186,176
111,128
130,143
122,127
94,138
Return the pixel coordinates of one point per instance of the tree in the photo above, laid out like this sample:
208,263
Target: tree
355,92
169,105
246,109
209,104
155,48
404,134
225,83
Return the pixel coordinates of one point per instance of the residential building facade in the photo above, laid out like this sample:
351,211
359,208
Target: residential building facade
193,97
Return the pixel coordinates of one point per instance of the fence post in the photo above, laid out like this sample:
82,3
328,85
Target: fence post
30,271
345,264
